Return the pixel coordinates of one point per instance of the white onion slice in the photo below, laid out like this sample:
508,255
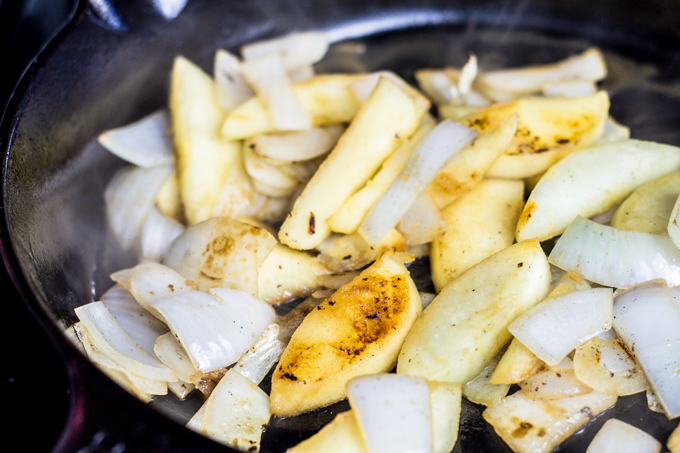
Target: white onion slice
616,258
145,143
295,50
606,366
129,196
301,73
157,234
557,325
422,222
261,357
445,140
268,175
112,340
215,329
673,223
150,282
267,76
231,87
569,88
393,412
221,253
589,65
616,436
533,426
297,146
170,352
480,391
140,325
550,384
647,318
236,413
436,84
467,76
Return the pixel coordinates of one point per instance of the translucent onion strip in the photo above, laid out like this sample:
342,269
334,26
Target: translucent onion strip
129,196
145,143
616,436
231,87
140,325
267,76
215,329
112,340
295,50
256,363
647,319
616,258
157,234
559,324
445,140
297,146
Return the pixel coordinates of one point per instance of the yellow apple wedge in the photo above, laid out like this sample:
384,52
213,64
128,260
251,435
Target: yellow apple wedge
359,330
466,325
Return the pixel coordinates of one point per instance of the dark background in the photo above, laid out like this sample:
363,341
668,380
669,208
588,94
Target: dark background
35,384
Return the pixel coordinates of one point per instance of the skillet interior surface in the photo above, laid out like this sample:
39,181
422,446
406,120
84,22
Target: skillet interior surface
109,67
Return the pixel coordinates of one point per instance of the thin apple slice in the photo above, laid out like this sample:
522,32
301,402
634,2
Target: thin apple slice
591,181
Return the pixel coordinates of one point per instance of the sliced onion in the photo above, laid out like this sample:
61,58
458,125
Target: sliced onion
267,76
236,413
427,298
295,50
647,319
268,175
616,436
140,325
150,282
467,76
112,341
551,384
589,65
614,132
158,233
262,356
606,366
445,406
231,87
221,252
480,391
569,88
181,389
145,143
301,73
297,146
129,196
445,140
436,84
170,352
423,222
215,329
393,412
557,325
616,258
538,426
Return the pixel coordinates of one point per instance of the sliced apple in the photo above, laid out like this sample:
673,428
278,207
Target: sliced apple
649,207
479,224
287,273
466,168
548,130
358,330
389,114
517,364
327,99
466,325
204,161
590,182
342,435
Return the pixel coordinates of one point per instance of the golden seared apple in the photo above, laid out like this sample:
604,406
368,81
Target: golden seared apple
359,330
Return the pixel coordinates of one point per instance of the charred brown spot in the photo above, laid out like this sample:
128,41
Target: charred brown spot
289,376
312,223
562,141
520,264
522,430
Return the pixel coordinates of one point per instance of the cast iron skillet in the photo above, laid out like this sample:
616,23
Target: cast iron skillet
109,66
